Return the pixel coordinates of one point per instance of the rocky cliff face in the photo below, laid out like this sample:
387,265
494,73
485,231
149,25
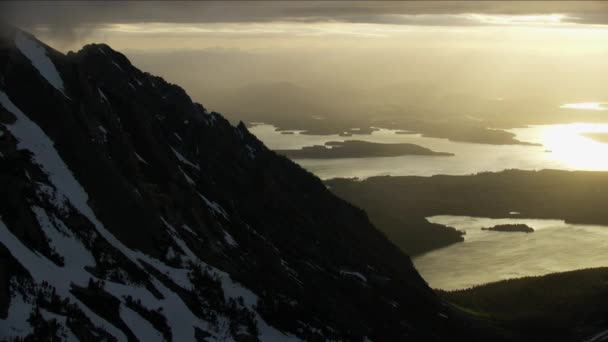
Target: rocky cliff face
128,212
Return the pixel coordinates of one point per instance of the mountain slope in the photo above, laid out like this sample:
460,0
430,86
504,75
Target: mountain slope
128,212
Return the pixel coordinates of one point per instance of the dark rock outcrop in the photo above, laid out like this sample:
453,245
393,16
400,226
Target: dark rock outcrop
129,212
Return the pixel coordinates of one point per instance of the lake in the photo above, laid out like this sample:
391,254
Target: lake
487,256
484,256
562,148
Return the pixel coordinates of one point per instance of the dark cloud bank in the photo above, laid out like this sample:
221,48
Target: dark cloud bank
74,13
73,21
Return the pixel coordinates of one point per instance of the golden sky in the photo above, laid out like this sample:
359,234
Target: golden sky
491,49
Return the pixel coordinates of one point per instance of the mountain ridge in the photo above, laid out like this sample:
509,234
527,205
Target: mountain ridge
130,212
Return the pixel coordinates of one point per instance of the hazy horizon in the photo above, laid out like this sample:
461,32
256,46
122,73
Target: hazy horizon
351,59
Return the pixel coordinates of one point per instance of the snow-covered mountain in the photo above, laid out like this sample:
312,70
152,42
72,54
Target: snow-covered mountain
128,212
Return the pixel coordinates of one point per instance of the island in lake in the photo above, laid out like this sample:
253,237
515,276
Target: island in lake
520,227
398,206
359,149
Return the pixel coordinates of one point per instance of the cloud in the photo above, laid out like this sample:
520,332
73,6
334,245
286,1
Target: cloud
71,20
96,12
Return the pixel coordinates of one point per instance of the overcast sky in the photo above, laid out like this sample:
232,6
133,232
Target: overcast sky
69,19
64,13
493,49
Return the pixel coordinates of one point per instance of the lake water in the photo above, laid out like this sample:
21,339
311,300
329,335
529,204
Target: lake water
562,148
484,256
487,256
586,106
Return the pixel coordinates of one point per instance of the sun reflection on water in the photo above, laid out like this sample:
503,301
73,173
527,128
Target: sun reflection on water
586,106
567,144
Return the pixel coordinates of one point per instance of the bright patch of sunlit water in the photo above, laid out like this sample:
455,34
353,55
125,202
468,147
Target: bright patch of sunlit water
487,256
566,144
484,256
586,106
562,147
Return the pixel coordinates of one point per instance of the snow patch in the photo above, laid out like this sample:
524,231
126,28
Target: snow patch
209,118
235,291
354,274
186,227
42,269
214,206
239,133
598,337
102,95
118,66
16,324
251,151
104,132
182,159
188,179
142,329
38,56
179,317
31,137
140,158
68,335
75,255
293,274
230,240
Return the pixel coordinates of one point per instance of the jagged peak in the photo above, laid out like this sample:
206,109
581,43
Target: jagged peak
122,62
183,217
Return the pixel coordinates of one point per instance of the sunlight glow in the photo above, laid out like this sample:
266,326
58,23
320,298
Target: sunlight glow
566,144
585,106
548,19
